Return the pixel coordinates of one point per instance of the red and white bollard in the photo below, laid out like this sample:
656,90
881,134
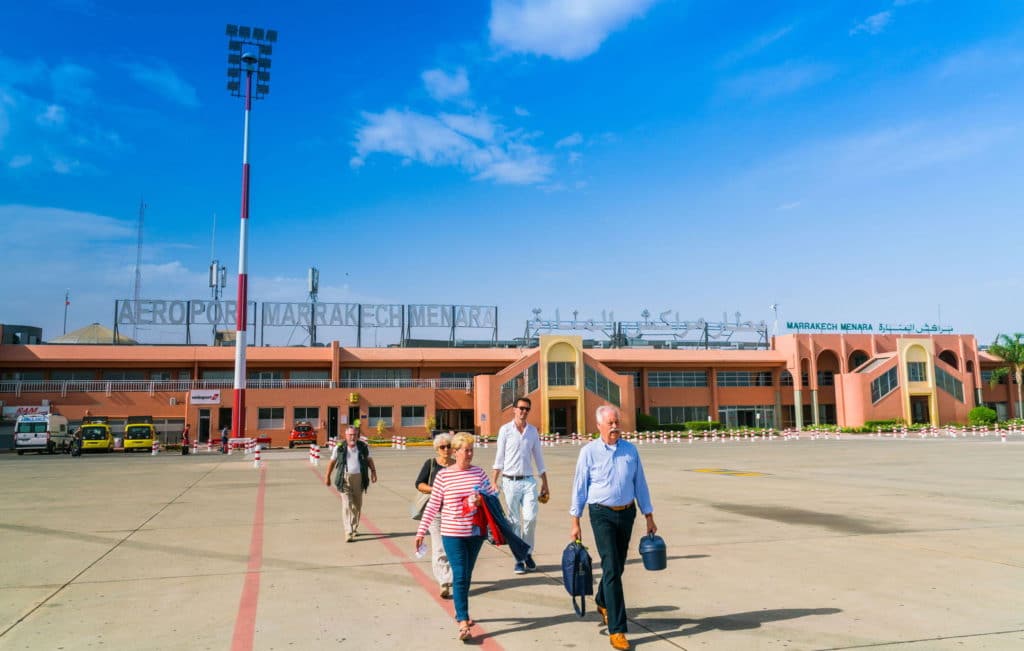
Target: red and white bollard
195,446
1002,436
256,463
316,454
156,448
209,445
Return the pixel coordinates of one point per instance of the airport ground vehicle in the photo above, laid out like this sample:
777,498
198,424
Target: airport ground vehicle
96,435
302,434
42,433
139,433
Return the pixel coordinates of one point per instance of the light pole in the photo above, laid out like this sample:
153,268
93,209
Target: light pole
249,51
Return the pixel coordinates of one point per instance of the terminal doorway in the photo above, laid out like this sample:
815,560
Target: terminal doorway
204,426
562,417
919,410
224,418
332,422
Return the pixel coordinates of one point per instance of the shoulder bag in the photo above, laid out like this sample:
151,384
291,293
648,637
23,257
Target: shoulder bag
420,501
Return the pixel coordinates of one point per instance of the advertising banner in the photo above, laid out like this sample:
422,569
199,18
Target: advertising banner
204,396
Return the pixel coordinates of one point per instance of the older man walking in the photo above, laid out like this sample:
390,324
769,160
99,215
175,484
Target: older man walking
356,471
518,452
610,482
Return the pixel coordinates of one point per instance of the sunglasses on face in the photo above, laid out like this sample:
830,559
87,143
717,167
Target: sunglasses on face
443,447
523,408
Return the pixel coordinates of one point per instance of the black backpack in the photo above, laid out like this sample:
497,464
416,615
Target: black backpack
578,575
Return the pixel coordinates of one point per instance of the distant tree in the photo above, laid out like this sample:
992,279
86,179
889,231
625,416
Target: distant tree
1011,351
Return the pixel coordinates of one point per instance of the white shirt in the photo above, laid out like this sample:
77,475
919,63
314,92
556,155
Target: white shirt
351,457
515,451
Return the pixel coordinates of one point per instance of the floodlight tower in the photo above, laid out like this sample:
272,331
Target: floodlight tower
249,51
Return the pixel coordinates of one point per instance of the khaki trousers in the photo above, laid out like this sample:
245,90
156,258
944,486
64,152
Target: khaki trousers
351,502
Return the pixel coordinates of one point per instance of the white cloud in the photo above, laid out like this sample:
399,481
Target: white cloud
561,29
783,79
443,86
50,130
569,141
164,81
990,57
788,206
63,165
873,24
473,143
575,157
53,116
475,126
755,46
72,83
521,112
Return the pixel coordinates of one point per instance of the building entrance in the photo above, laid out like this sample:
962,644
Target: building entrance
204,425
562,417
919,410
332,422
224,418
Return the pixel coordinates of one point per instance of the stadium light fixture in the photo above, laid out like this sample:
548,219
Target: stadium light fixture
249,53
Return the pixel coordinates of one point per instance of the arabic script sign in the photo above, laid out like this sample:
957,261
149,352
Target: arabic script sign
884,328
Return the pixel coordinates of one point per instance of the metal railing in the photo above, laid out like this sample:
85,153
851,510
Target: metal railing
464,384
63,387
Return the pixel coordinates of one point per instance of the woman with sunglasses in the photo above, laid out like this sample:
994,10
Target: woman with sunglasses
424,484
455,497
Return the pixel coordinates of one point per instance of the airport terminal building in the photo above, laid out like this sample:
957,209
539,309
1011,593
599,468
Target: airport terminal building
791,381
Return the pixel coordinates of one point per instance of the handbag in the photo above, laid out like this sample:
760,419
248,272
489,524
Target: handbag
577,575
419,503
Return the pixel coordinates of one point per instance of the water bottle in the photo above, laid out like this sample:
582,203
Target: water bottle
421,551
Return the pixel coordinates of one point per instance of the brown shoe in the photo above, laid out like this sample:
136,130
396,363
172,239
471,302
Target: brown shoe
603,612
619,641
446,590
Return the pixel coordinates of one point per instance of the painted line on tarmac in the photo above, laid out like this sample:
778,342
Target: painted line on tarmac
486,642
245,621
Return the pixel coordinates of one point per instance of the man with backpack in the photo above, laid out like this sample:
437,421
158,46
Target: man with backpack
355,471
610,483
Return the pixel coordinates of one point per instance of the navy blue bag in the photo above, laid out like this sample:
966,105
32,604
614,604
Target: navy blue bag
578,575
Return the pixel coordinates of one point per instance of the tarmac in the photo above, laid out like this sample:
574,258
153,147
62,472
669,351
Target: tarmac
859,543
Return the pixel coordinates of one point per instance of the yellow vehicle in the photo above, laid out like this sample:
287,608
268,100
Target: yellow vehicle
96,435
139,433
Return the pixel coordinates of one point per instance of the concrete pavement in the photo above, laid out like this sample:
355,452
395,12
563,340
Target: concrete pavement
866,543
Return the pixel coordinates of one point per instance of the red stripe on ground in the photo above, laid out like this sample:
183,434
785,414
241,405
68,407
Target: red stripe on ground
245,621
428,583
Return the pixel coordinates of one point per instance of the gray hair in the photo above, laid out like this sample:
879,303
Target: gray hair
442,438
604,409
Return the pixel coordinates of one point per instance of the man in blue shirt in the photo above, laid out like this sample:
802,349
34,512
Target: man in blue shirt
610,482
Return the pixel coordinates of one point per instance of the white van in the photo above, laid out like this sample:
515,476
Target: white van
42,432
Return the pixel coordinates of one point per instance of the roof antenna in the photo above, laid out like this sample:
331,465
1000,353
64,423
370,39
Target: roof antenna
138,269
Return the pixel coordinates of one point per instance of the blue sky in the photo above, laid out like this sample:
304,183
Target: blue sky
849,161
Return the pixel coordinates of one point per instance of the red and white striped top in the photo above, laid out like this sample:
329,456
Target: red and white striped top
450,496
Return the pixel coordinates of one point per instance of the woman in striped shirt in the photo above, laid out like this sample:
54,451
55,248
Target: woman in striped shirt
454,497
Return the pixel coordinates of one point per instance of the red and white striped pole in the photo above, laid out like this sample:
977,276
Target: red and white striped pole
241,308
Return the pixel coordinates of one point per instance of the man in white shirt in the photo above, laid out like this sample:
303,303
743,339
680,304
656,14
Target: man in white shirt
518,451
354,476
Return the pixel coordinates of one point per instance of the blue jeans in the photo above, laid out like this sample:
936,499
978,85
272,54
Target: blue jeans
462,553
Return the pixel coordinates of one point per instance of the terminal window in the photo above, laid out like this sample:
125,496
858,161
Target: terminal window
917,372
381,414
413,415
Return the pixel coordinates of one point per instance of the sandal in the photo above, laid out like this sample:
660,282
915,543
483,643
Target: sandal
464,632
